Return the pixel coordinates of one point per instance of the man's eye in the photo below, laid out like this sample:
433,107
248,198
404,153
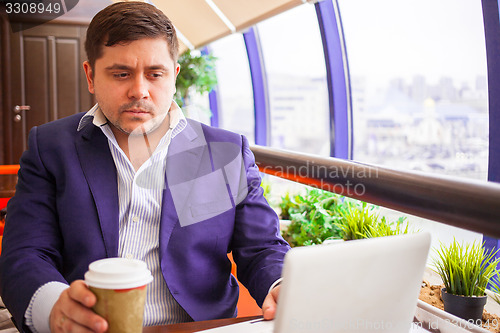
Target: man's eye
156,75
120,75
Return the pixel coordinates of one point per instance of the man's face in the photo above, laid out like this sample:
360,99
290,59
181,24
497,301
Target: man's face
134,84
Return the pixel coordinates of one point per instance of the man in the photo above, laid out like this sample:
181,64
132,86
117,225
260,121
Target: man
133,178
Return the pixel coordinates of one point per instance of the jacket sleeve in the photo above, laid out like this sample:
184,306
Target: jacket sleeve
31,244
258,248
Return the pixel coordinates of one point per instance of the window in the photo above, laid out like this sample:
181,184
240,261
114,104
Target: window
236,108
296,73
419,86
419,89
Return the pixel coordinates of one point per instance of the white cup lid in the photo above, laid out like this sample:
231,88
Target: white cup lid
118,273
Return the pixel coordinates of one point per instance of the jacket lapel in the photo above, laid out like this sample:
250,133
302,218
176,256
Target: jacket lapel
100,172
186,157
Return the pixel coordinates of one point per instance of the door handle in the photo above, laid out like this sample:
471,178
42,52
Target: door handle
18,109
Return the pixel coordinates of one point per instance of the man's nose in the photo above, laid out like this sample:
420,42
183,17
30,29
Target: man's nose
138,88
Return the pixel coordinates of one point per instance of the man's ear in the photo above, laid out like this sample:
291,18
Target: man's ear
177,69
89,75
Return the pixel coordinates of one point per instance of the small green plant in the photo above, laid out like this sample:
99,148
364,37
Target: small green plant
320,215
386,228
361,221
197,73
285,205
465,269
495,286
313,216
266,186
356,221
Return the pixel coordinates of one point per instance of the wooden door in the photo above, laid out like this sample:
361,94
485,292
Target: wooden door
46,81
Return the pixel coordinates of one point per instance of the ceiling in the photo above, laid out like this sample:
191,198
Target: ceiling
199,22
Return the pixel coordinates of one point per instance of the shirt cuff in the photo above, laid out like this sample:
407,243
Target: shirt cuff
37,314
277,282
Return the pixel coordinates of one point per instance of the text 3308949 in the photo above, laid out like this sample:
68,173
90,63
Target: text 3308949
34,8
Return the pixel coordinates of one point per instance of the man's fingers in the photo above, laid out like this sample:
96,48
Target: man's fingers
79,292
65,324
59,321
72,312
270,303
79,314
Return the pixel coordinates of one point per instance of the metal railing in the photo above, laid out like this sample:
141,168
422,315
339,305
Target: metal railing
468,204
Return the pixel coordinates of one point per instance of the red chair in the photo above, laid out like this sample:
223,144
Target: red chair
8,180
9,169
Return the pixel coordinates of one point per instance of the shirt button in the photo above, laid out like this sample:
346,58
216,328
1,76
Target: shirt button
135,219
129,256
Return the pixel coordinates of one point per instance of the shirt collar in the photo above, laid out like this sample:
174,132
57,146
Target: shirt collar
91,116
177,119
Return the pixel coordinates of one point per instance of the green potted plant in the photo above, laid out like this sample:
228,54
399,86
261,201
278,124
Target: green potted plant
197,73
319,216
312,217
361,221
466,270
386,228
494,293
357,221
495,286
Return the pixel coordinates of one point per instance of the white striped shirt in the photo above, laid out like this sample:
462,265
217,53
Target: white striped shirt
140,202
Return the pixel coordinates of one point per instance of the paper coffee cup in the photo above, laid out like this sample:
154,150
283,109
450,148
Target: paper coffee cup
120,287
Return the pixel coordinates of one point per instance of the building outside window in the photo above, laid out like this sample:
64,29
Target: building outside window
419,85
296,73
234,90
419,89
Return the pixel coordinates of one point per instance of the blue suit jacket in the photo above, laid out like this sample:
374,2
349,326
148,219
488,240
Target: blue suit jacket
65,215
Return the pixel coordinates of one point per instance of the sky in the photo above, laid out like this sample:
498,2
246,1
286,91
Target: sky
408,37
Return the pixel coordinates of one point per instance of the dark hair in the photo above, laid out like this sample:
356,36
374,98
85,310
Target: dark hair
125,22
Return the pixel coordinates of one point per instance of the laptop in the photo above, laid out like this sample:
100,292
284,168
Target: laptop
355,286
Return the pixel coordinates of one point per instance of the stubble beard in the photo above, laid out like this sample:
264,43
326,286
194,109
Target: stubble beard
143,127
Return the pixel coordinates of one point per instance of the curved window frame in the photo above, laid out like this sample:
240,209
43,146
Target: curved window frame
337,69
339,86
337,80
259,86
491,19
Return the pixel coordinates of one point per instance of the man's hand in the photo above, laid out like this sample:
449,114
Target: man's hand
72,312
270,302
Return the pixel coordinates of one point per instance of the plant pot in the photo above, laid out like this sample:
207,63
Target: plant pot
468,308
